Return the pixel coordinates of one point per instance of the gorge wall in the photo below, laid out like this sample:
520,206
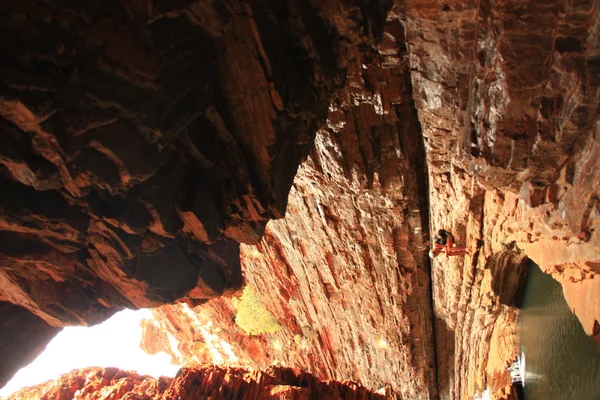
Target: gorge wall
144,142
506,99
507,95
345,272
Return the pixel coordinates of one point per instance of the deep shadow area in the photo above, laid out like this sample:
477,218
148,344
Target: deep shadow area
508,275
562,362
445,343
516,392
22,341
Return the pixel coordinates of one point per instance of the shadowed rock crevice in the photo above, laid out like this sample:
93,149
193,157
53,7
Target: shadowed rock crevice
445,342
24,336
508,270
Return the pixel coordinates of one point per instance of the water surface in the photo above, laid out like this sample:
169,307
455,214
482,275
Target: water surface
562,362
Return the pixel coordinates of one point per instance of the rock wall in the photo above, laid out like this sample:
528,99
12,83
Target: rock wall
143,141
193,383
506,97
345,272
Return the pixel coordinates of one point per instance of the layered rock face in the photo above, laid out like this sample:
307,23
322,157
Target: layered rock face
345,272
506,95
193,383
143,141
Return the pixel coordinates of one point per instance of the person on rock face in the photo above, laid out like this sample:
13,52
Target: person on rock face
444,243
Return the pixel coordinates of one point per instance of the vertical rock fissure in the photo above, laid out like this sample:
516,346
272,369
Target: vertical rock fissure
412,144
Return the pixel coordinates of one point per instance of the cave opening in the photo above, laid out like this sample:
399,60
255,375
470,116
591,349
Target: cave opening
112,343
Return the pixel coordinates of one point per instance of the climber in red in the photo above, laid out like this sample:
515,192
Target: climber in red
444,243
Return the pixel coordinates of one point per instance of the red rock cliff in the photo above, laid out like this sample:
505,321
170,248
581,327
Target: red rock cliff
478,117
506,98
143,141
345,272
507,95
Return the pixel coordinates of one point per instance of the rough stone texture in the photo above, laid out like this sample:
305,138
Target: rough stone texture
192,384
345,272
507,94
142,141
489,107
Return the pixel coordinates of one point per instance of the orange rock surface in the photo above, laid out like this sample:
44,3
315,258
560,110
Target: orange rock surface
132,178
192,384
142,142
512,171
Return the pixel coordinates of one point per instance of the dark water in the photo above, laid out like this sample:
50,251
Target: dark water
562,362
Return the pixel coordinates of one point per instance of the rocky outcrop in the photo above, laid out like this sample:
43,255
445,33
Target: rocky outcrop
143,141
193,383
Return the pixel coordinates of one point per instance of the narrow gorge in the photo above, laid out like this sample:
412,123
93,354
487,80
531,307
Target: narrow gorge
176,155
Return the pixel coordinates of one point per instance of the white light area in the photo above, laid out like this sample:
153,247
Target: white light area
220,350
174,346
113,343
485,395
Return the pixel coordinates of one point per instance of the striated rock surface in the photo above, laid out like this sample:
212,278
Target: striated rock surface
193,383
506,97
345,272
143,141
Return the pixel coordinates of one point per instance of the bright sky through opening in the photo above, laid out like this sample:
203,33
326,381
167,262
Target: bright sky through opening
114,343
